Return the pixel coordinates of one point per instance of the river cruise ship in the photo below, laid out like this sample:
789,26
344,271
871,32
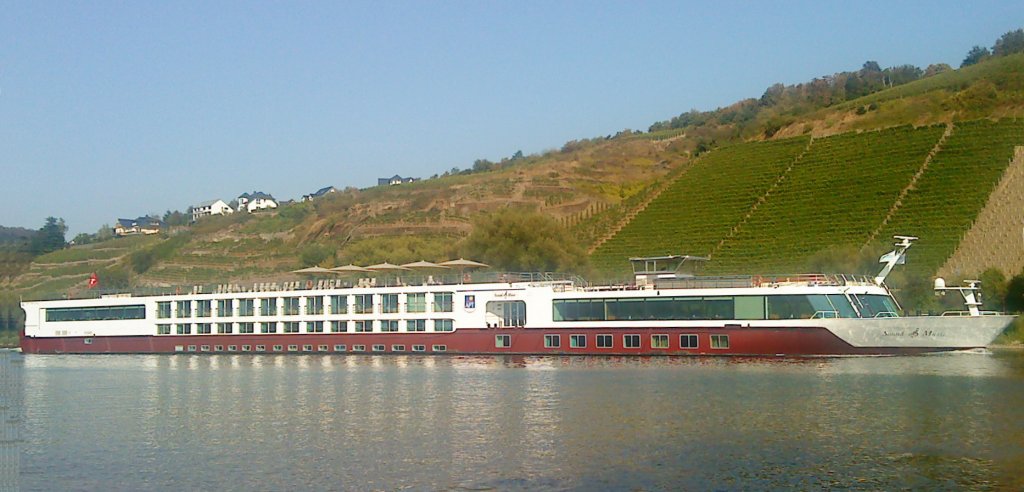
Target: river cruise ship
663,312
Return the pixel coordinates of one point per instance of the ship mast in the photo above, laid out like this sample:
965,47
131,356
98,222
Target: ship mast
895,257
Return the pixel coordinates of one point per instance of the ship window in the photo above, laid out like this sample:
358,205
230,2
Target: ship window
278,348
225,308
552,341
364,326
419,348
268,327
750,307
246,348
203,328
359,348
163,310
268,306
232,348
191,348
291,326
511,313
204,308
416,325
502,341
184,329
260,348
293,348
719,341
307,348
183,309
204,348
339,326
88,341
163,329
363,304
339,304
416,303
790,307
876,306
443,325
101,313
442,302
224,328
842,305
315,305
659,341
440,348
246,307
378,347
577,341
398,348
291,306
631,341
314,327
389,303
605,341
389,325
340,348
246,327
687,341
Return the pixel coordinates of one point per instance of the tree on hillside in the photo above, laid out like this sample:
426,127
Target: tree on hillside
177,218
1015,294
977,54
993,284
936,68
50,237
519,240
1010,43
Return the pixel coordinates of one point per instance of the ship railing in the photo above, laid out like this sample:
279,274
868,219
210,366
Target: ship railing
968,313
741,281
825,314
886,314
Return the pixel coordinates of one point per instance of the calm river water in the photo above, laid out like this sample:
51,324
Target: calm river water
265,422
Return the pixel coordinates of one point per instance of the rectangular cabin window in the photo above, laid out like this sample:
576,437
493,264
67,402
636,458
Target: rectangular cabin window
340,348
293,348
268,327
502,341
688,341
443,325
203,328
442,302
719,341
605,341
511,313
259,348
339,304
184,328
100,313
790,307
204,308
204,348
339,326
419,348
246,307
268,306
291,306
163,329
315,305
232,348
291,326
225,308
163,310
750,307
416,303
439,348
363,304
321,348
659,341
224,328
278,348
577,341
378,347
183,309
841,304
389,325
416,325
359,348
389,303
314,327
246,328
307,348
363,326
552,341
631,341
246,348
398,348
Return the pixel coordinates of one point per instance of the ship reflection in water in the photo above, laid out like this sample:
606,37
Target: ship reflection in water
273,422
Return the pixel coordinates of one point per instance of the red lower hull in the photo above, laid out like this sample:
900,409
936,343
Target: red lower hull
737,341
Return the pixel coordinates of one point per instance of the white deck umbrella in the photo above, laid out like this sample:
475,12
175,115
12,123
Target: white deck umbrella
311,270
464,263
350,269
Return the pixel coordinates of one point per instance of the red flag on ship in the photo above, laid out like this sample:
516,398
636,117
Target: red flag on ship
93,280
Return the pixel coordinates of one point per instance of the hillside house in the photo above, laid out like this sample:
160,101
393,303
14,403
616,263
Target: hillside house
141,225
210,207
319,193
257,200
395,180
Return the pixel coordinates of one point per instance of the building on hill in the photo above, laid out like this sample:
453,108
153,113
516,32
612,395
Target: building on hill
257,200
141,225
210,207
395,180
319,193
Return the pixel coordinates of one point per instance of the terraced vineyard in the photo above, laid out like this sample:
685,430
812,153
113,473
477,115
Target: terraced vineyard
701,207
768,207
948,197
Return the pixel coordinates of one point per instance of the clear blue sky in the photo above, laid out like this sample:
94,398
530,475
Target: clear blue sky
119,109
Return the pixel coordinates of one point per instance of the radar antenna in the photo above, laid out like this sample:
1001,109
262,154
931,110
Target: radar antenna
895,257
